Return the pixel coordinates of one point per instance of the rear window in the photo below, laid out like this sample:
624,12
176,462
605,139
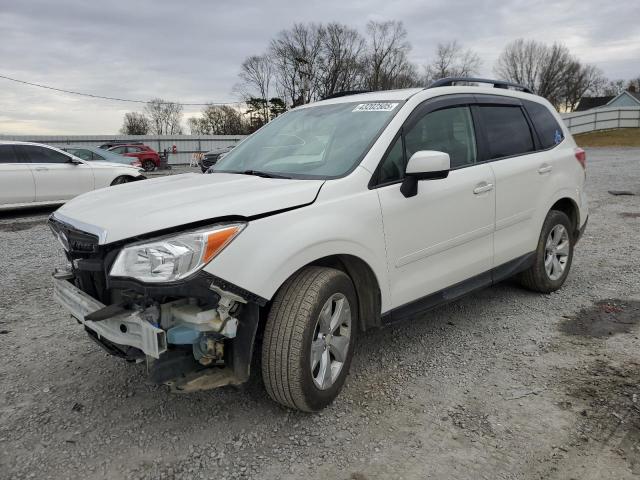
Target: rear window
507,130
549,132
7,154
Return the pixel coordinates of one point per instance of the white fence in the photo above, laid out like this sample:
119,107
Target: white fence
186,145
602,119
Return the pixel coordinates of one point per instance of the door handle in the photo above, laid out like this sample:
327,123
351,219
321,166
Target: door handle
483,187
545,169
41,169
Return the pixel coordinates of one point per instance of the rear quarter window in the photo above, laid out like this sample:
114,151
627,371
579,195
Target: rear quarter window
549,132
507,130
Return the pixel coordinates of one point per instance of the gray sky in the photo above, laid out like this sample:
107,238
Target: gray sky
190,51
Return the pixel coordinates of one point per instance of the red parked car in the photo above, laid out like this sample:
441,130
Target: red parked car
149,158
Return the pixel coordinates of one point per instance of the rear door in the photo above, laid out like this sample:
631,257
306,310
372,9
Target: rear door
17,184
444,234
56,177
509,145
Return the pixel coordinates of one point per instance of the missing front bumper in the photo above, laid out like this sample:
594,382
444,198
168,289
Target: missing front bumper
126,329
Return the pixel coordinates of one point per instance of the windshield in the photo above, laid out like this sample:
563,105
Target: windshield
315,142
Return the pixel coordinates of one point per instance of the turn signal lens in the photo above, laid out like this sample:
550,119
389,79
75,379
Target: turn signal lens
219,239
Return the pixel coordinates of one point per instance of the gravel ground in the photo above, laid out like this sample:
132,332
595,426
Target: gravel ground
504,384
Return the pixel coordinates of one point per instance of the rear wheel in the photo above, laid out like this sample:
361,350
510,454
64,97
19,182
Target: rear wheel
309,338
553,255
148,165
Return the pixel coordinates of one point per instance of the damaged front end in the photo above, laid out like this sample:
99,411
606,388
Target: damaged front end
195,333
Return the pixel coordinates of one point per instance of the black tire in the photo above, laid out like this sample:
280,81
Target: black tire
148,165
536,277
290,329
122,179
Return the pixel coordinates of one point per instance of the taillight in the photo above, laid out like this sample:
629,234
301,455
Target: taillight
581,156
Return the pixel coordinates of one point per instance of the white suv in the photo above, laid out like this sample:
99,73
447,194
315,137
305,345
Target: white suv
337,217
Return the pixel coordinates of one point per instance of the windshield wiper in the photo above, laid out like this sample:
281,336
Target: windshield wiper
259,173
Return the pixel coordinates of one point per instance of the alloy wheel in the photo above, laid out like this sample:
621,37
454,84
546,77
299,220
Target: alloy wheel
330,343
556,252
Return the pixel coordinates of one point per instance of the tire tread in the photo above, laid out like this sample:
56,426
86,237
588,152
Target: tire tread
285,331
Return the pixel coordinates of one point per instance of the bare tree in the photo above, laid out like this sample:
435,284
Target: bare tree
135,123
295,54
311,61
550,71
387,64
451,60
341,60
581,80
164,117
256,78
615,87
218,120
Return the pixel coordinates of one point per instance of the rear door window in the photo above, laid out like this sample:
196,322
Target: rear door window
507,130
38,154
8,154
549,132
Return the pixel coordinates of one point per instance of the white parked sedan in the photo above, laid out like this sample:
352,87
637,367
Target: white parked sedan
33,174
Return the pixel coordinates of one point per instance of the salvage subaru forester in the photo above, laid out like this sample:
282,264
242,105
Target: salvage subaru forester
338,216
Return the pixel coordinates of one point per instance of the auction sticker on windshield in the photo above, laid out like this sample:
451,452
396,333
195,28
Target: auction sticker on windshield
375,107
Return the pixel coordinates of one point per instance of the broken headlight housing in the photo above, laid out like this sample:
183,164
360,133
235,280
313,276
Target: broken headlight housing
174,257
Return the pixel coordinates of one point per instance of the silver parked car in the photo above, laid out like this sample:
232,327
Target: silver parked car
97,153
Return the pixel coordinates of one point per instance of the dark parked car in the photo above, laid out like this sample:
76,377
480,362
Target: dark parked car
148,157
212,156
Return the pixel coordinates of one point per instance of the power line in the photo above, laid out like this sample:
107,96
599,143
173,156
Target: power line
116,99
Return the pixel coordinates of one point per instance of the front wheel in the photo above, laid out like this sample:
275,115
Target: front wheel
121,180
148,166
553,255
309,338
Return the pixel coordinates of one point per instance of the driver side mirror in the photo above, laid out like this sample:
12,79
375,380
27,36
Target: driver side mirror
74,161
424,165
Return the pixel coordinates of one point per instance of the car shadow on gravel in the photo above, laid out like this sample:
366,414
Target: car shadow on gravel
604,318
27,212
20,226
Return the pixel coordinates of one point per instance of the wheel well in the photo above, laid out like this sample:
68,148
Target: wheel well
569,207
364,282
129,177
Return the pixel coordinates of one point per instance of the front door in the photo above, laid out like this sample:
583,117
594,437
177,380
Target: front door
444,234
56,177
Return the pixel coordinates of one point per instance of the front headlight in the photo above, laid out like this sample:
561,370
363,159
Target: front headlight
174,257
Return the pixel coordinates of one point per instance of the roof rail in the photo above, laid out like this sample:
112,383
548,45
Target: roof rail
449,81
345,93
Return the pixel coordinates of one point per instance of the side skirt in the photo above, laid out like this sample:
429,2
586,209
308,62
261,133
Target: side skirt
454,292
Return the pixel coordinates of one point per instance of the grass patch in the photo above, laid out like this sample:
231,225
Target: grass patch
619,137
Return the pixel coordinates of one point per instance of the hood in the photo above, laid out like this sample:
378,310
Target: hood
136,208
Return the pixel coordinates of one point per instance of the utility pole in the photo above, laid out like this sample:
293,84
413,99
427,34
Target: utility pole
302,65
